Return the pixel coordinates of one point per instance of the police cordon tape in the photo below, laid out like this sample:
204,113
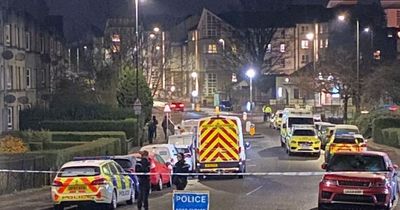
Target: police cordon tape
190,174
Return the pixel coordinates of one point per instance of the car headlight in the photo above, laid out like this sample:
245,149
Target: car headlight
329,182
383,183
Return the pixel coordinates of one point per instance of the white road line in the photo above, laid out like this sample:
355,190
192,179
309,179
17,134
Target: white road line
251,165
249,193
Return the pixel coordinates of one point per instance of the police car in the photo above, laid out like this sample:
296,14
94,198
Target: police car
102,183
303,139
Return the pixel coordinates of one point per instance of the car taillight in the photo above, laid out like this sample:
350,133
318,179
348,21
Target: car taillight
57,184
100,181
181,105
173,105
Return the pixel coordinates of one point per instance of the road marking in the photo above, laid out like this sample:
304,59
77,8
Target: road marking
255,190
251,165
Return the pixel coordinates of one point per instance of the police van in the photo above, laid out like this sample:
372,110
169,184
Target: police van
294,116
220,146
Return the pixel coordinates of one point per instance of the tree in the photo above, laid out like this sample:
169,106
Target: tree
387,77
126,92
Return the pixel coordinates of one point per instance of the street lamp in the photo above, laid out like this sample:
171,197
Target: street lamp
222,41
156,29
250,74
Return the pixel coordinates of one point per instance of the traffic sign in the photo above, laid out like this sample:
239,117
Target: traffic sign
167,109
186,200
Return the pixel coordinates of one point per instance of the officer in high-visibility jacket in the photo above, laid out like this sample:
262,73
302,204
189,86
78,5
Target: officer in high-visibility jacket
267,112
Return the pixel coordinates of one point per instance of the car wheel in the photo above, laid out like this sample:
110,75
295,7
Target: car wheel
322,206
132,197
160,184
113,204
58,207
282,144
288,151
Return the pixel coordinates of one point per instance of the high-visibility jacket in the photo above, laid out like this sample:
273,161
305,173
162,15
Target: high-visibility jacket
267,109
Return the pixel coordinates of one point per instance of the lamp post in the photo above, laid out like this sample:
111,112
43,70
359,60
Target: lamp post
343,18
250,74
310,37
137,47
222,41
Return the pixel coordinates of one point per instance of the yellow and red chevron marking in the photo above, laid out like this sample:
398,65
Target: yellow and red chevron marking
218,140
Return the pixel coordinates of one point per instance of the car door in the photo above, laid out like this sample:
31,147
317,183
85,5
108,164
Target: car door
121,185
164,170
125,180
392,176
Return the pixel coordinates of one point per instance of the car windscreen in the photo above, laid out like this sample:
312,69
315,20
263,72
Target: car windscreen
79,171
370,163
124,163
341,140
300,121
341,131
183,150
164,153
226,103
303,133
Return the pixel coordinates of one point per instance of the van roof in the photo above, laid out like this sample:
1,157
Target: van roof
346,126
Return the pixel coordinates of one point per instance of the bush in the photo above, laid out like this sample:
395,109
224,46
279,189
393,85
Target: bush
364,121
11,144
35,146
56,158
90,136
391,137
30,136
382,123
61,145
30,118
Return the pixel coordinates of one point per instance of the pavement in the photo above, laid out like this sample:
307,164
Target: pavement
250,193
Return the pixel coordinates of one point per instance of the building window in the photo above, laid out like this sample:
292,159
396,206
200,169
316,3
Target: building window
28,78
18,77
212,48
304,29
211,64
304,59
212,26
7,35
283,48
296,93
17,37
27,41
10,118
269,48
326,43
211,84
10,77
321,43
304,44
283,63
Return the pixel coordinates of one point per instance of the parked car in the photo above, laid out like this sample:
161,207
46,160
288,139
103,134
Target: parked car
127,163
160,167
92,182
226,106
167,151
344,142
365,179
177,106
321,128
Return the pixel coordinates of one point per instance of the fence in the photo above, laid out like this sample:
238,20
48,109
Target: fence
11,182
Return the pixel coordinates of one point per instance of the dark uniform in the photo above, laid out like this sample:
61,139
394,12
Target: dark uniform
180,180
143,166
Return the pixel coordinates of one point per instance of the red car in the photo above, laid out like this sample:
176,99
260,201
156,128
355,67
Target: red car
358,178
177,107
158,166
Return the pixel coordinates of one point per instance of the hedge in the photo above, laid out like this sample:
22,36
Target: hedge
61,145
29,118
56,158
59,136
391,137
128,126
381,123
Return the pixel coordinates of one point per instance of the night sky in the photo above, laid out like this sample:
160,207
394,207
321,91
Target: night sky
81,15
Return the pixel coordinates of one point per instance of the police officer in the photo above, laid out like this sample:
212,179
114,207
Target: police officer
267,112
180,167
143,166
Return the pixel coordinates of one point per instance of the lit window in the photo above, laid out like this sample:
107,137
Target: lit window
27,41
10,77
282,48
269,48
321,43
304,44
326,43
7,29
10,118
212,48
280,92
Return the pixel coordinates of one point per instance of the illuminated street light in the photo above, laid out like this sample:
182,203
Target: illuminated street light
251,73
367,29
222,41
310,36
341,17
195,93
158,47
194,75
152,36
156,29
173,88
